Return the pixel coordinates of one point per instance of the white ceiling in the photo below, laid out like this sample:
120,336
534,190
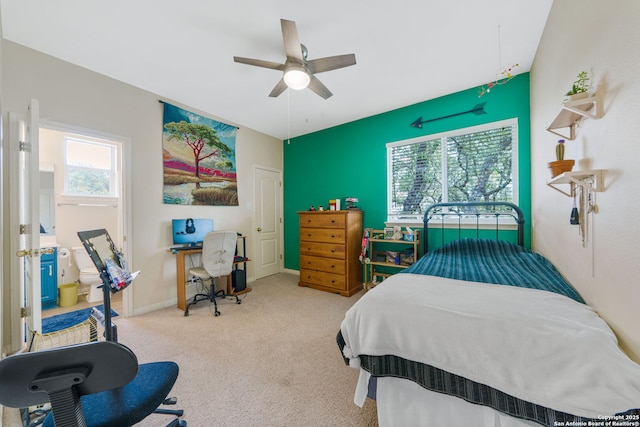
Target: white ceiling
407,51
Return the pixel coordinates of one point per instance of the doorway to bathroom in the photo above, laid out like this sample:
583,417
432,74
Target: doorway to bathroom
81,188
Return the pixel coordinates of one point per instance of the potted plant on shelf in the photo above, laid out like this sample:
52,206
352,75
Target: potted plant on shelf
560,165
580,87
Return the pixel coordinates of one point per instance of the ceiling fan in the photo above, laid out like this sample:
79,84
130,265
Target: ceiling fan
298,72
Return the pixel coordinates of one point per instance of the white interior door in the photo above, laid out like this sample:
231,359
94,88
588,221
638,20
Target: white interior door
268,201
24,147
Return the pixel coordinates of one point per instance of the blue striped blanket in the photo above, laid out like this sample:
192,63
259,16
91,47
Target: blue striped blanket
493,261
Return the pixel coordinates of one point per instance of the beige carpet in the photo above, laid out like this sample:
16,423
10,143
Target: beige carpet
270,361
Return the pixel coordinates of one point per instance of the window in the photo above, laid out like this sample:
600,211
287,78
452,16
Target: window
471,164
90,169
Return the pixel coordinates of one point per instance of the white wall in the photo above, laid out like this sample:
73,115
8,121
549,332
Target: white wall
601,37
75,96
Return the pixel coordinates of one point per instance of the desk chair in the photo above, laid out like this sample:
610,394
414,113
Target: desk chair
218,249
89,385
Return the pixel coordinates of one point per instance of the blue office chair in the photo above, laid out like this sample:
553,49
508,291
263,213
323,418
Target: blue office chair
218,250
97,384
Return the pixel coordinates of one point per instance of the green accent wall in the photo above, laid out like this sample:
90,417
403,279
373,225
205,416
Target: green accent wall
350,159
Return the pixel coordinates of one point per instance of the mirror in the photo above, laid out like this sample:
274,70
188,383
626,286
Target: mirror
47,200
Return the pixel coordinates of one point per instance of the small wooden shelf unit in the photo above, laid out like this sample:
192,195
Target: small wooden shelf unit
376,237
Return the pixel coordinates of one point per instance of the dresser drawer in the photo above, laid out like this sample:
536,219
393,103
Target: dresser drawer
323,220
329,265
328,250
328,280
324,235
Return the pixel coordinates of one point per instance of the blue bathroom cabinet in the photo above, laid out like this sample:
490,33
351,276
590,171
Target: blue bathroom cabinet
49,279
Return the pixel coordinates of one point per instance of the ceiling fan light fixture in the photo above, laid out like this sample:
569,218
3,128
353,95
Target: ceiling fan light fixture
298,72
296,77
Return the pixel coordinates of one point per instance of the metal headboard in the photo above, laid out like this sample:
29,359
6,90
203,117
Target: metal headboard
446,211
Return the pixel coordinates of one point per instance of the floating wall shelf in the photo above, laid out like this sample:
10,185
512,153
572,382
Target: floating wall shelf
573,112
593,180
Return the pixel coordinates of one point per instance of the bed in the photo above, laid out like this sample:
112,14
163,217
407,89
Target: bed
482,331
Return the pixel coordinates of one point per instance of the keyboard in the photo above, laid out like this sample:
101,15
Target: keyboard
184,248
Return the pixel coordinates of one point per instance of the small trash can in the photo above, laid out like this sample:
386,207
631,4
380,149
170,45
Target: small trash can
67,294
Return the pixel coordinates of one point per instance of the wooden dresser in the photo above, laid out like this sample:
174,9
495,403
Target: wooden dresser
330,243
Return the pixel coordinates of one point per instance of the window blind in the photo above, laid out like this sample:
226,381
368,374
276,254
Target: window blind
473,164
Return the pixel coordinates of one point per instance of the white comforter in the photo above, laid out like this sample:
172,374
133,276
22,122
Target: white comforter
535,345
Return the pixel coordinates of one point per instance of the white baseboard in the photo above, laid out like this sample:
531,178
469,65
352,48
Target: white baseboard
154,307
288,270
191,291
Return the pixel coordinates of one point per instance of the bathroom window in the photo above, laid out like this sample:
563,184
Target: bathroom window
90,168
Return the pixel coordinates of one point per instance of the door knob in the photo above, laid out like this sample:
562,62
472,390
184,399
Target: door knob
259,229
34,252
23,253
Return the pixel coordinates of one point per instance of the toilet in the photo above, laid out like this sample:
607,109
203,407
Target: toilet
89,274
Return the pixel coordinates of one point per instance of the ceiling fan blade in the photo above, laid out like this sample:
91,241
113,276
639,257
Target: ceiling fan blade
291,40
329,63
278,89
259,63
317,86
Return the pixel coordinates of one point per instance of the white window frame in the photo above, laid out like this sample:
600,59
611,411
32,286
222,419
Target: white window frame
113,172
412,220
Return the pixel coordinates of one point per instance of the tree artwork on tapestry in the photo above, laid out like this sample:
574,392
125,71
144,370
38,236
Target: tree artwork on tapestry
199,160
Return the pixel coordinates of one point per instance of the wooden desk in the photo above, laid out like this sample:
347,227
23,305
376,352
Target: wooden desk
181,272
181,278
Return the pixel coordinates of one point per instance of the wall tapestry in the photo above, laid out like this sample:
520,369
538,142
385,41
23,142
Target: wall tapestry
199,159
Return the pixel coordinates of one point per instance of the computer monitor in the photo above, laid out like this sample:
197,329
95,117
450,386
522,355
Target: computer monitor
189,231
